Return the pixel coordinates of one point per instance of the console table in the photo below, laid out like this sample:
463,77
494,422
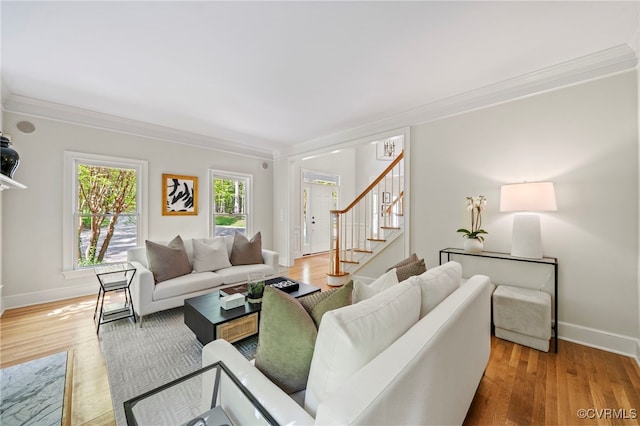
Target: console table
549,261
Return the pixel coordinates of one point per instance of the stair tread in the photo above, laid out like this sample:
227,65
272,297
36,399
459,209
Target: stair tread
376,239
389,227
360,251
354,262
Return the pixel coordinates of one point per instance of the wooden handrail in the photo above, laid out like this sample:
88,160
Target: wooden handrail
372,185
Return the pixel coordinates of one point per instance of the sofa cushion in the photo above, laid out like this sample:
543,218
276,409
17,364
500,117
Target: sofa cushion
350,337
436,284
338,299
167,261
416,268
286,340
186,284
246,252
210,256
362,291
240,273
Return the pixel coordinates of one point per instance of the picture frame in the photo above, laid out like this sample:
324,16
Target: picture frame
179,195
386,198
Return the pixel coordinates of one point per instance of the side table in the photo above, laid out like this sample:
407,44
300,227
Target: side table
549,261
114,277
212,395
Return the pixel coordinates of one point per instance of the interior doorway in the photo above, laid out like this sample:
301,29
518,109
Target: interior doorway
319,197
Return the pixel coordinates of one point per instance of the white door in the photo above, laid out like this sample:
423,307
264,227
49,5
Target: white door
319,200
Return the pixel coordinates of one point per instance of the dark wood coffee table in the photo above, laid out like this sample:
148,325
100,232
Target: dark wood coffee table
205,316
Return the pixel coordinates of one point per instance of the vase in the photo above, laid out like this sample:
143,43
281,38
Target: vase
10,157
473,245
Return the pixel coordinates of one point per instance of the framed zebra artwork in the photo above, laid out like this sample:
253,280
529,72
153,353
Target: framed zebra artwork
179,195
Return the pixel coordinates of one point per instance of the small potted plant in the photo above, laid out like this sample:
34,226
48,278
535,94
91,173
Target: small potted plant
255,288
474,239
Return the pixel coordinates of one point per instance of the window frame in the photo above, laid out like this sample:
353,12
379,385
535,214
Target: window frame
70,202
213,174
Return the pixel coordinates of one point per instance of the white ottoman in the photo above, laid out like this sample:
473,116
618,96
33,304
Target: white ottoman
522,316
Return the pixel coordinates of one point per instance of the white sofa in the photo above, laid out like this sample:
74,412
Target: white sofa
149,296
429,375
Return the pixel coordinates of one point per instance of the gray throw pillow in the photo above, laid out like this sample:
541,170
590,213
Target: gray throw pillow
245,252
210,257
411,259
286,341
166,262
406,271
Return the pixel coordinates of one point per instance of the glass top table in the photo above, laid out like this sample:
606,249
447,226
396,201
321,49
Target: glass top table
206,397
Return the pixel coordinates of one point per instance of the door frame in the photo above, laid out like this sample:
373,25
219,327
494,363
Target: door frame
303,223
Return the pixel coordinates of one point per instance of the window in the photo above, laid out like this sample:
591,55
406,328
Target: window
230,203
105,205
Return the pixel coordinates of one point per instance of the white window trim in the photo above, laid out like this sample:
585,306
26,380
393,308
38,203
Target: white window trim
71,159
223,173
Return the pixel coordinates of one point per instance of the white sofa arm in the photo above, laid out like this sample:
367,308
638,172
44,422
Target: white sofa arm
272,259
279,405
142,288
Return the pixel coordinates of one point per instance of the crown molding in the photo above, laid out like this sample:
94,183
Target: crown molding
229,142
596,65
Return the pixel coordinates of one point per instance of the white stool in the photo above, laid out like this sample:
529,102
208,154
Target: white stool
522,316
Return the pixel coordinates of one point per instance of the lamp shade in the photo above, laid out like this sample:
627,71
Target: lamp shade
529,196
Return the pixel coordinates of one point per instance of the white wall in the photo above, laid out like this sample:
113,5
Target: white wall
584,138
638,130
1,243
32,235
367,165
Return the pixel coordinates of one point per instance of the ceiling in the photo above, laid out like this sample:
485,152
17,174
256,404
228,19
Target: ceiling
273,75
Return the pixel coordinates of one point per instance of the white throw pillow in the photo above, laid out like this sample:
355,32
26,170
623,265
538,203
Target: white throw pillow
436,284
210,255
362,291
350,337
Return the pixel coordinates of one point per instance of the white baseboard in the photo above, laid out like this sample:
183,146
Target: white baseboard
610,342
46,296
638,352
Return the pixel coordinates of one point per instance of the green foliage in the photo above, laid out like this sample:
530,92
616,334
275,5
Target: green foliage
473,235
104,193
255,290
229,195
229,220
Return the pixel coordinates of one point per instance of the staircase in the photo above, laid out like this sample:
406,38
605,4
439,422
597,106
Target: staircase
368,225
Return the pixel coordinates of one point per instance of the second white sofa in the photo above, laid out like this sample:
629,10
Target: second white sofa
428,375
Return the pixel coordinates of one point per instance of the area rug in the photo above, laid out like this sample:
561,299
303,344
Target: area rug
32,393
141,359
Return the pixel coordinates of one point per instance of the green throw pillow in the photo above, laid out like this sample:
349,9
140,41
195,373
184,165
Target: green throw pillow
338,299
286,341
415,268
309,302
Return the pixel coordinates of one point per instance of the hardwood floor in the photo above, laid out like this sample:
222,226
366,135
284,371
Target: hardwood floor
520,386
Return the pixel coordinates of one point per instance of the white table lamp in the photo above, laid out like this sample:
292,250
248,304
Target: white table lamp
527,197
